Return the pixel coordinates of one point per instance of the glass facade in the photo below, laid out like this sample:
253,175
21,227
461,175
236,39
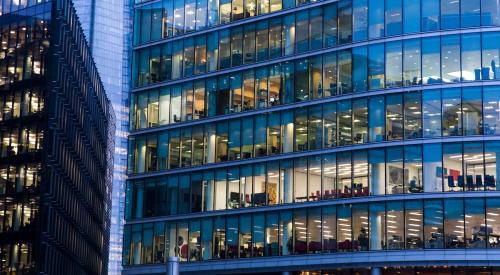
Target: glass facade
298,129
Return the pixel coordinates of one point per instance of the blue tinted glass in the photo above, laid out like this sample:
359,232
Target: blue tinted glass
376,67
376,18
411,16
490,12
450,14
393,15
360,20
360,67
470,13
430,15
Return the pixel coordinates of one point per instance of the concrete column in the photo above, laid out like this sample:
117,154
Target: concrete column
376,271
173,266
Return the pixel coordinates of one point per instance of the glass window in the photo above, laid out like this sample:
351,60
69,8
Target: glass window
431,60
314,230
472,111
246,185
452,112
329,176
249,41
314,178
224,49
377,226
186,147
452,163
225,11
376,18
250,8
360,173
395,225
236,93
376,160
393,64
222,139
272,182
490,12
330,25
329,124
257,235
450,58
493,223
289,34
261,87
245,236
394,117
344,123
212,50
184,196
234,143
430,15
344,173
275,82
201,14
454,223
236,46
315,128
413,115
470,13
286,181
300,179
206,239
344,228
414,224
237,10
431,108
360,20
360,66
450,14
177,59
273,134
360,227
473,166
232,237
248,90
194,241
219,238
491,156
200,62
345,72
411,16
491,51
471,57
376,118
300,129
433,224
213,12
491,109
411,62
190,7
208,191
345,21
393,17
260,134
247,138
413,168
316,28
286,232
329,229
302,31
271,247
394,170
360,121
220,189
433,168
330,74
376,66
302,80
275,38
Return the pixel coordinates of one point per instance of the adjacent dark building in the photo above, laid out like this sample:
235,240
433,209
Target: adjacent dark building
57,132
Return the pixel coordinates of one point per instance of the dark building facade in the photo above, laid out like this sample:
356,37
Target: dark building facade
57,132
314,137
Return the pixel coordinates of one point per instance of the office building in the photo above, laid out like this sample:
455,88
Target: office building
57,132
106,25
314,137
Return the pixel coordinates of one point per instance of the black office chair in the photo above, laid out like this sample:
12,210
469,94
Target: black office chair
451,182
479,182
460,182
470,182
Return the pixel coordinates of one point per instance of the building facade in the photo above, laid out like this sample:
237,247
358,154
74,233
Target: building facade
57,129
109,41
314,137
